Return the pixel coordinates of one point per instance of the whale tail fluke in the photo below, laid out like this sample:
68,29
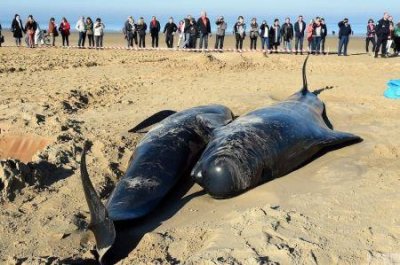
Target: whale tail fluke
100,224
153,119
304,90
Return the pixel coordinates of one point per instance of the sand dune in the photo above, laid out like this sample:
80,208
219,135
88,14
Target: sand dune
341,208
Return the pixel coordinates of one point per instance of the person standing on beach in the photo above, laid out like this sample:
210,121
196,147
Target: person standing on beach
253,34
264,33
81,28
299,29
324,33
204,28
391,36
275,35
344,36
31,27
287,35
90,31
239,30
17,29
169,31
154,31
371,35
64,29
141,30
53,31
316,36
181,32
397,39
98,33
193,33
220,35
129,30
383,32
186,31
309,31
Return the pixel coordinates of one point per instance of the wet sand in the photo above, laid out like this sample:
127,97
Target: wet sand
341,208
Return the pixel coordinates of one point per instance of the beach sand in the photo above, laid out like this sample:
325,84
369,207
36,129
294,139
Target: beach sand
341,208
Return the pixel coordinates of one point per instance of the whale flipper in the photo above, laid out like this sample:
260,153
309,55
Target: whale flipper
100,224
153,119
333,138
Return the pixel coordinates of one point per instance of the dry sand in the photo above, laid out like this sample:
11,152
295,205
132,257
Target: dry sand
340,209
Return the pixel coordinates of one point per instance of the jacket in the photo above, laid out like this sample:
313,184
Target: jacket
264,28
204,28
287,31
90,29
31,26
80,26
324,31
65,28
383,29
99,29
17,28
371,31
52,27
343,30
155,27
141,29
221,27
240,29
275,35
170,28
253,30
299,33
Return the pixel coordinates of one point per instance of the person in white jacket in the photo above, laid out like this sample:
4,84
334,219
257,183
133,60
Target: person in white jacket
81,28
98,33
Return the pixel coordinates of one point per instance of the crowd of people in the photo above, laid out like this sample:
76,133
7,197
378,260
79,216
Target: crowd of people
195,33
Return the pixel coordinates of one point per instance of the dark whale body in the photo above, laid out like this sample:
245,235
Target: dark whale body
266,144
166,153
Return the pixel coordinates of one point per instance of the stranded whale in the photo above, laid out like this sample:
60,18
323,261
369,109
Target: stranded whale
267,143
166,153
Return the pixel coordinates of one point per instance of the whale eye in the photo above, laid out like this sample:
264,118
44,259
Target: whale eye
218,169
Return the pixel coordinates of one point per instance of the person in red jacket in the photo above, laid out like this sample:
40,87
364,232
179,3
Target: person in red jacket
64,29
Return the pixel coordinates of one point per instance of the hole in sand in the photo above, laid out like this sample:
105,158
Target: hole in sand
21,147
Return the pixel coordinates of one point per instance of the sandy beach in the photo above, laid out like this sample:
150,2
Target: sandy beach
341,208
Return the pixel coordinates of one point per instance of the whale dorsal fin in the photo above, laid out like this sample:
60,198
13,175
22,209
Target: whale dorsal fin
304,90
153,119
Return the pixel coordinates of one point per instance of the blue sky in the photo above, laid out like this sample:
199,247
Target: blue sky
115,10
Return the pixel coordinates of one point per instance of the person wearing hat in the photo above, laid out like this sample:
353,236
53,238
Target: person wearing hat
220,35
371,34
344,36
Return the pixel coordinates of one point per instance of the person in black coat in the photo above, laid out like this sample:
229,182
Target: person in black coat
154,31
344,36
17,28
299,29
383,32
169,31
324,33
141,30
204,28
287,34
275,35
130,32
